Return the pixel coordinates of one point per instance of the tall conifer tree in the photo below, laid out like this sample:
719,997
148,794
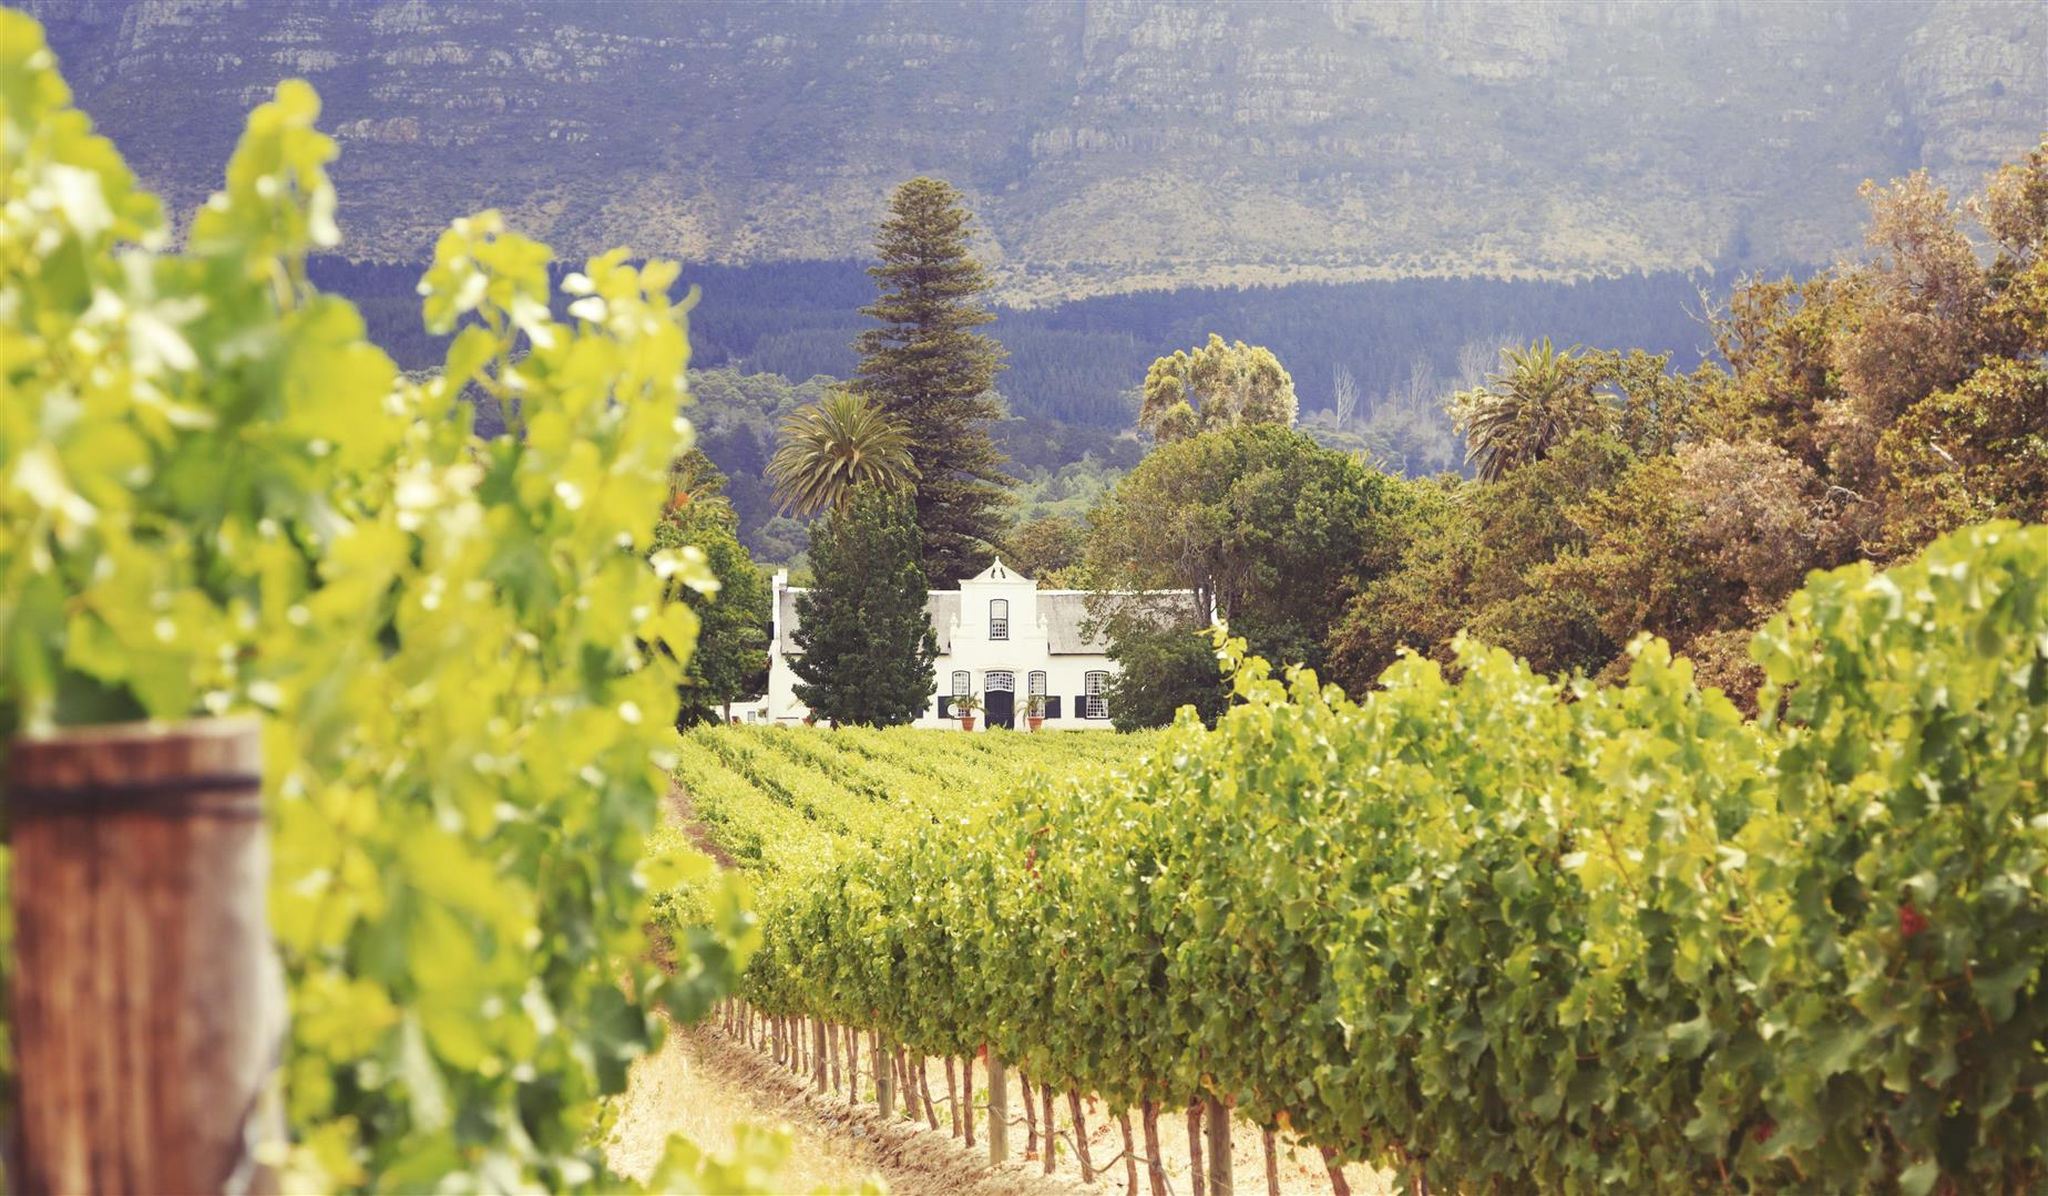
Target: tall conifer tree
866,636
928,368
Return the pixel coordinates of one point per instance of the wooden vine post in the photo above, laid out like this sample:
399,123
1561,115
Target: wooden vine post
998,1110
147,1000
885,1075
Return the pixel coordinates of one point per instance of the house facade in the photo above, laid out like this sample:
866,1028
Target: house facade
1001,639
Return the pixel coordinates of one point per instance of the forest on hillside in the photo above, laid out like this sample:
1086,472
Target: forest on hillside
1373,362
1079,362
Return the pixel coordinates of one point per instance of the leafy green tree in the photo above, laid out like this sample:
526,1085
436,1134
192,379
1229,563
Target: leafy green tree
830,449
929,369
1160,668
731,657
1047,547
1270,530
867,640
1467,553
1214,386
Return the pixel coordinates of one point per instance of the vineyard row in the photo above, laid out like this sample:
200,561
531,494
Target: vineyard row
1490,930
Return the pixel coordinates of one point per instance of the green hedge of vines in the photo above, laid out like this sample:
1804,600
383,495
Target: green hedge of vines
1506,934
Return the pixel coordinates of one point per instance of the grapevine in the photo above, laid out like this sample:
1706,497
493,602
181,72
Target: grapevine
1494,931
220,498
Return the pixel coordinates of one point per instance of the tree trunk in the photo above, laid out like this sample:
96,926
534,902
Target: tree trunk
1220,1183
1155,1162
148,1006
820,1072
832,1055
1030,1117
1198,1184
967,1099
1130,1155
952,1097
924,1085
1338,1184
852,1066
1080,1136
1272,1163
998,1110
1052,1137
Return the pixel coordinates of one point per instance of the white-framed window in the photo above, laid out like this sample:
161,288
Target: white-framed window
1036,681
999,681
1094,704
999,618
962,683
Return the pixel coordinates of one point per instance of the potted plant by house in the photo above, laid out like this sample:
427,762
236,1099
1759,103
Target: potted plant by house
966,706
1034,711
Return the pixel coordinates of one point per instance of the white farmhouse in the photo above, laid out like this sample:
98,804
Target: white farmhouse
1002,639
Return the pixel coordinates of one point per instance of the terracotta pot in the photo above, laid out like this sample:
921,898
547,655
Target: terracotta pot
1035,722
967,722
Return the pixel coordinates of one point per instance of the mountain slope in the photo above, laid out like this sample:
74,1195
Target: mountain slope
1108,144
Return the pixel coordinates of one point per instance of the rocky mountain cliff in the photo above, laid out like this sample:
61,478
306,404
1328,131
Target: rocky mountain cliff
1107,144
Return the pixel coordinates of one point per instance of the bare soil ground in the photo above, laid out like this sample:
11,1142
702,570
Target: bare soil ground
703,1082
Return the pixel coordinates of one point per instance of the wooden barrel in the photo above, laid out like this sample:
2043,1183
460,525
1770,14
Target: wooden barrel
148,1004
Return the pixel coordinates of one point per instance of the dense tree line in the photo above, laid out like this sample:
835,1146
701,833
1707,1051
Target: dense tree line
1859,414
1403,344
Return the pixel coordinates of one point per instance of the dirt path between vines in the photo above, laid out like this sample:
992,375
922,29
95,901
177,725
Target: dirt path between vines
701,1083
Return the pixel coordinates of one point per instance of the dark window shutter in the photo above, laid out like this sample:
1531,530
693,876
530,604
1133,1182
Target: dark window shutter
1080,705
1052,707
945,705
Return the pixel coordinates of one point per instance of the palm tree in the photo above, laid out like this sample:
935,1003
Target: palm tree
695,483
1539,397
833,447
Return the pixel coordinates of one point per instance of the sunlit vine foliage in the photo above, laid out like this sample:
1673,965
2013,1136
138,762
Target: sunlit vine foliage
1504,933
217,497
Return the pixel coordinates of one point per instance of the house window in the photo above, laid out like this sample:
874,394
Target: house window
962,684
1037,683
999,619
999,681
1094,705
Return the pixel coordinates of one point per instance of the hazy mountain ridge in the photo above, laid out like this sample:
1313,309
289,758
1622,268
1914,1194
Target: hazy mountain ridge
1107,145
